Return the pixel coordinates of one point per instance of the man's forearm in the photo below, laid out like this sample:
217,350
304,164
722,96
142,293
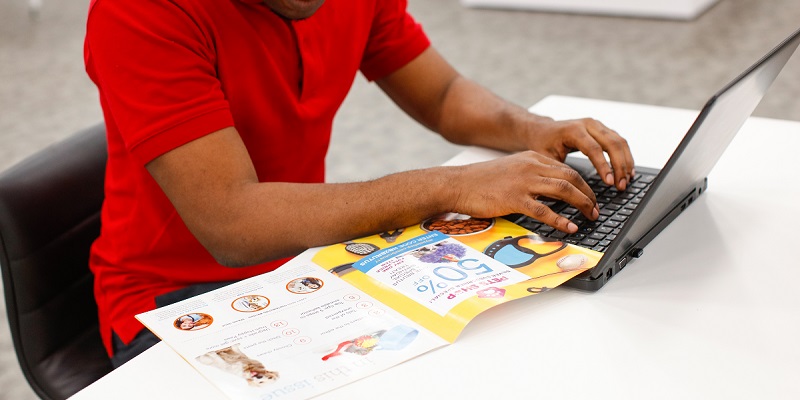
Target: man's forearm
473,115
267,221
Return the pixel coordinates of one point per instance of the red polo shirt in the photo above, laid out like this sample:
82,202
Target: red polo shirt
171,71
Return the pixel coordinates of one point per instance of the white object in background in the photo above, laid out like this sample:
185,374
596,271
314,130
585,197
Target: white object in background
670,9
34,5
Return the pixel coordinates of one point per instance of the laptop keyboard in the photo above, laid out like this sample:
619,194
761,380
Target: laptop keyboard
615,208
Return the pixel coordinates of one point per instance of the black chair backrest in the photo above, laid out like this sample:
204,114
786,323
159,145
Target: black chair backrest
49,216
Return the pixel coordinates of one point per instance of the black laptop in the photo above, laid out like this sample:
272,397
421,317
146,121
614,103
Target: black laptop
630,219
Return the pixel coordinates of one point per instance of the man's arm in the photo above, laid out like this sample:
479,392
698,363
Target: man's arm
463,112
213,185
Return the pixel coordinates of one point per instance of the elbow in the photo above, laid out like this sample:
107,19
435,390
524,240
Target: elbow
230,249
231,256
235,249
234,237
231,259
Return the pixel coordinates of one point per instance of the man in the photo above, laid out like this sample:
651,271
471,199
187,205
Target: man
219,114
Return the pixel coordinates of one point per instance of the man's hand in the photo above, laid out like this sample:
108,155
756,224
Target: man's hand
463,112
512,184
558,138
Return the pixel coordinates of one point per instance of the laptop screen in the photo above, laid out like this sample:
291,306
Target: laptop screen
712,132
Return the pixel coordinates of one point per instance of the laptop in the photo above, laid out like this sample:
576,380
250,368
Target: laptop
629,220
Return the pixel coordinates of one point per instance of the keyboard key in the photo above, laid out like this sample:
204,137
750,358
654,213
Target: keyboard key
546,229
579,220
597,236
531,225
606,212
570,210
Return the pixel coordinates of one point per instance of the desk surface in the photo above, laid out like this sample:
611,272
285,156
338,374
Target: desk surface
709,311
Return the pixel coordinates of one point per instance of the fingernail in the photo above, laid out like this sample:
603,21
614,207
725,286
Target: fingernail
572,228
609,179
595,213
622,183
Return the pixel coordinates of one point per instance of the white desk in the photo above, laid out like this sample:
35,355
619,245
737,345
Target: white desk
709,312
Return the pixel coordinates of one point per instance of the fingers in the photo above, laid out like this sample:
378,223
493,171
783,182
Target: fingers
543,213
597,140
561,182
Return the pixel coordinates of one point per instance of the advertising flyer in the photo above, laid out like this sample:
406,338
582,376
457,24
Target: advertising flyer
340,313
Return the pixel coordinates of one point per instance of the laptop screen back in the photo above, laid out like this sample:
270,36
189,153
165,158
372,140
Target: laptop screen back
712,132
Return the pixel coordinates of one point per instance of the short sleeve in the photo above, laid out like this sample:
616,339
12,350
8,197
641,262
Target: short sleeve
395,39
154,64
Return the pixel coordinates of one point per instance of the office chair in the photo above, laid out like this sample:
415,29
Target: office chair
49,216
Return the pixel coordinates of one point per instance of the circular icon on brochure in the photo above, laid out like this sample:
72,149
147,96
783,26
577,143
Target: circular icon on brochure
279,324
302,340
364,305
351,297
193,321
250,303
454,224
290,332
376,312
304,285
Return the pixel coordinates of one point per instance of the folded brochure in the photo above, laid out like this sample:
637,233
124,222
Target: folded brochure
336,314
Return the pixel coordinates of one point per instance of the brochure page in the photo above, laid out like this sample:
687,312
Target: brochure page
339,313
291,334
445,271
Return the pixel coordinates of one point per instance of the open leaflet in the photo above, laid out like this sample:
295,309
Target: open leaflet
339,313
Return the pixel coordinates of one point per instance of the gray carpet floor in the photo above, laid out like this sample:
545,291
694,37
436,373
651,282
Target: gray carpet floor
522,56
